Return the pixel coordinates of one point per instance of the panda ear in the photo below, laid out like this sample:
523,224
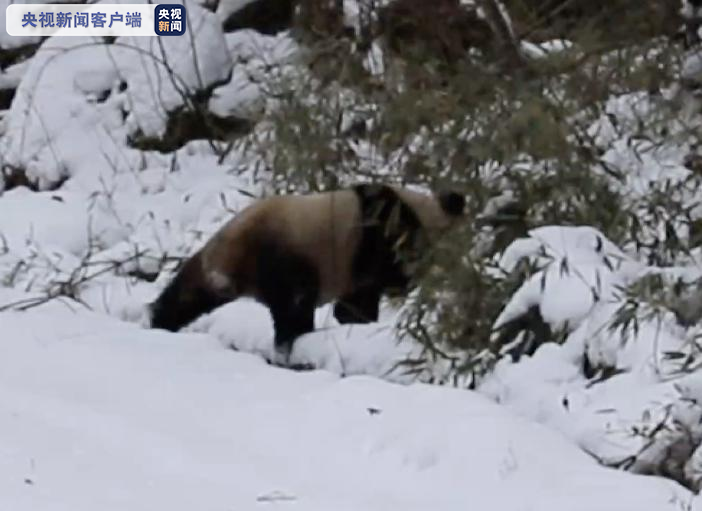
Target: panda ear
452,203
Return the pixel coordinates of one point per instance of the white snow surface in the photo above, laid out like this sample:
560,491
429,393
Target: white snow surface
97,413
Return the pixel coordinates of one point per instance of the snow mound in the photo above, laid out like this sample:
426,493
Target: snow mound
104,94
644,414
579,268
161,72
262,64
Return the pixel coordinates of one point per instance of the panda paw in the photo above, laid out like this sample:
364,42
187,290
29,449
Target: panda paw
281,356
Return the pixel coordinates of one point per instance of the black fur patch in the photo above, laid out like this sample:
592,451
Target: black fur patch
289,286
388,224
184,299
452,203
360,306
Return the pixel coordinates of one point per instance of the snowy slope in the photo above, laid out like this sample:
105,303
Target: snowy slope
98,414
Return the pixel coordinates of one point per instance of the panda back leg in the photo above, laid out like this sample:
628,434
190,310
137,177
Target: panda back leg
289,287
360,306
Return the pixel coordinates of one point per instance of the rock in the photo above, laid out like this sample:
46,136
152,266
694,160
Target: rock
265,16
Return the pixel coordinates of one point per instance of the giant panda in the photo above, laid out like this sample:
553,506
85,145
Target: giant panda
293,253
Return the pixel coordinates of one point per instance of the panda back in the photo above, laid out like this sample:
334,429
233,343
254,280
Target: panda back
322,228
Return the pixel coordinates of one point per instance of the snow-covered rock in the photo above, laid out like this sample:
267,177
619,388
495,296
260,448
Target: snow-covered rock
101,94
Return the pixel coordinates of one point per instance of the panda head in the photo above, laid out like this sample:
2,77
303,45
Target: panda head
186,297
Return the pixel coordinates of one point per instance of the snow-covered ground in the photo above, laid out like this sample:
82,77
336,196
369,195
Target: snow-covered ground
98,412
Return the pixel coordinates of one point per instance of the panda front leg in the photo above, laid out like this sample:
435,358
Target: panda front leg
288,286
290,321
